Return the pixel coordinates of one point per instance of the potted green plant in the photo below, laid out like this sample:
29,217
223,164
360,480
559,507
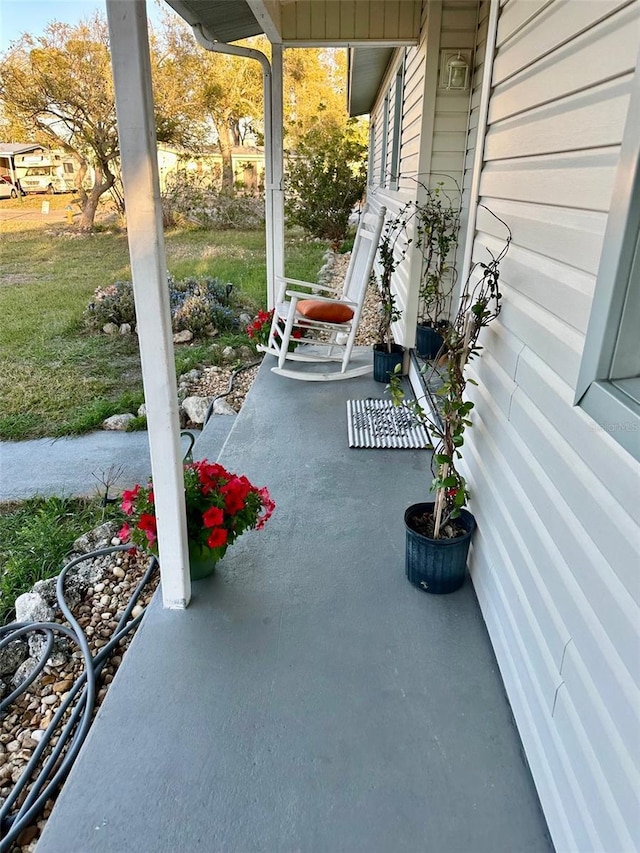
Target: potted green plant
436,236
220,507
438,532
387,354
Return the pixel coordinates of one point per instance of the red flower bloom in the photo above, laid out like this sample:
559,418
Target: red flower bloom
129,498
210,475
124,533
235,493
217,537
268,507
213,517
148,524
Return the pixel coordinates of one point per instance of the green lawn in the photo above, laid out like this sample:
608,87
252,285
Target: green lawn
56,378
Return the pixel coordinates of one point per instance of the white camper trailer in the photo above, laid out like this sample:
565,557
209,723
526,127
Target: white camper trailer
47,172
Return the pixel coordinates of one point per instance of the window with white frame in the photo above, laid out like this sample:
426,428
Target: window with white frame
372,153
609,380
385,142
397,127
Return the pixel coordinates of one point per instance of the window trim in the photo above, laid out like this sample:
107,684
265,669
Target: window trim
372,153
398,103
385,141
612,409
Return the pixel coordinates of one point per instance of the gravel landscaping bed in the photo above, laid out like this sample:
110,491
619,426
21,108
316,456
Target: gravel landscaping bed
112,579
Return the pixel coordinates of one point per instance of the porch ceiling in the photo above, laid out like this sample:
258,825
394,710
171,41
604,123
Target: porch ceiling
305,22
222,20
366,69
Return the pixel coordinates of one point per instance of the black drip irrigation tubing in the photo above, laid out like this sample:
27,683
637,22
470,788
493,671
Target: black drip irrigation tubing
209,411
15,819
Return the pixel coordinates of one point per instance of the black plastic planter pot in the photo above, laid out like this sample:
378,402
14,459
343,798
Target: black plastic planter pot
428,341
384,363
437,565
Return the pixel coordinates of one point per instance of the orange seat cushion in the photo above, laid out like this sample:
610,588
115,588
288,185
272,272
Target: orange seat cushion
326,312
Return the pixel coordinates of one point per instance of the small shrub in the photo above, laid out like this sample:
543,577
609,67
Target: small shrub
112,304
199,305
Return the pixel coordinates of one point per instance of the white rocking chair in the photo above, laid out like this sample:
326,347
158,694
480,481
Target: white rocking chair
318,323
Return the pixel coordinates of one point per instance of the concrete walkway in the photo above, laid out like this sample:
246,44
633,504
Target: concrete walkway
309,700
75,466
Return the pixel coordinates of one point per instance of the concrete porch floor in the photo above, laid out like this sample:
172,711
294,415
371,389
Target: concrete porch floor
309,699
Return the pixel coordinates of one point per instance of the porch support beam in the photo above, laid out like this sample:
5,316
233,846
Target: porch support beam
138,148
276,155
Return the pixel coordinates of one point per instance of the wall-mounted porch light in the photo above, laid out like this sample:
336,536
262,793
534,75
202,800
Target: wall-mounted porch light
455,70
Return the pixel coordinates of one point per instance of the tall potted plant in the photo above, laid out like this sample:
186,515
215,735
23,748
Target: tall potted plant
388,355
438,532
437,227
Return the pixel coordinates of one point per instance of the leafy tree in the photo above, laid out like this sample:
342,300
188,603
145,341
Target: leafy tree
325,179
58,88
217,91
314,84
60,85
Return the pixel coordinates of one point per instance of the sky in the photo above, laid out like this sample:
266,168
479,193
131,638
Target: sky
32,16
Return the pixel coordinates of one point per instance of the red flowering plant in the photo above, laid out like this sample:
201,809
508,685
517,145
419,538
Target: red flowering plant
258,330
220,507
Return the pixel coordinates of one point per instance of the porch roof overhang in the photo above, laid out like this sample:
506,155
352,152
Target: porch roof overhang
367,66
220,20
305,23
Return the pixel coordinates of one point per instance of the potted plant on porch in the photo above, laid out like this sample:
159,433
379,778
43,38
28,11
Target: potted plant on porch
388,355
437,227
220,507
438,532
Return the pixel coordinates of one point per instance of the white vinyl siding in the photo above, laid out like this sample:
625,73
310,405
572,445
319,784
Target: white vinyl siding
555,559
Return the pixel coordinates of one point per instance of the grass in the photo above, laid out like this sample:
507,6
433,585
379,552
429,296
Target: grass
58,379
35,537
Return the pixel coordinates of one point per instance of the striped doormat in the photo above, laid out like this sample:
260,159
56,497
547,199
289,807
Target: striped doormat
378,423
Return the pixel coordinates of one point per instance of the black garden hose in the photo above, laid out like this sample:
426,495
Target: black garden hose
209,411
54,770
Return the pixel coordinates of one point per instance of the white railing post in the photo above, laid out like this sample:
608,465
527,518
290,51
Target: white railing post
138,149
277,154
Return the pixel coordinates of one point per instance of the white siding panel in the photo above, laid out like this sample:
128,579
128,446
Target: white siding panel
593,119
572,237
545,638
504,347
604,521
599,825
624,782
450,142
558,344
583,180
557,500
500,386
602,53
516,15
519,486
562,290
608,461
556,25
446,163
450,123
550,767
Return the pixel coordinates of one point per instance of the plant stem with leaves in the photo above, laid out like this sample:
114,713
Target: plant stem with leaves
480,304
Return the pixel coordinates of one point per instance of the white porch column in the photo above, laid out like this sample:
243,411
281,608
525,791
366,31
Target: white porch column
136,129
277,149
